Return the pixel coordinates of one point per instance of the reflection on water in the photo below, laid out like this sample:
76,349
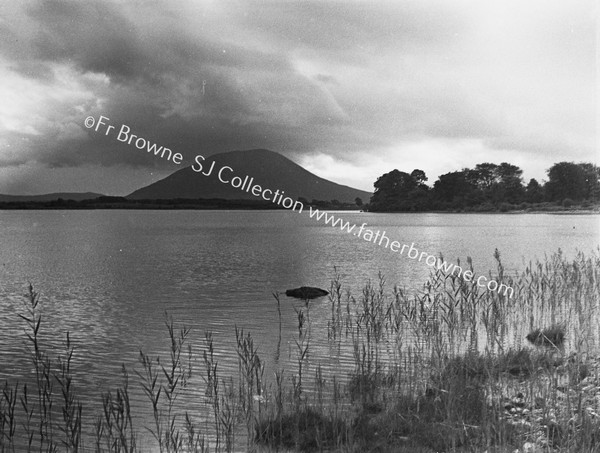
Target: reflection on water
108,277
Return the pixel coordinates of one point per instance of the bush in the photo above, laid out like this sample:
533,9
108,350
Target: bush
567,203
524,206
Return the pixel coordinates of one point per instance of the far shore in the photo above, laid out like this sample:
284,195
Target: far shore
105,202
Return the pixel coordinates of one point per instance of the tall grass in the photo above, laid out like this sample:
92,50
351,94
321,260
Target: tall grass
447,368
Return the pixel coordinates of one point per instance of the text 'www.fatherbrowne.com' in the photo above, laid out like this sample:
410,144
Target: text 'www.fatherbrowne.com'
381,239
245,183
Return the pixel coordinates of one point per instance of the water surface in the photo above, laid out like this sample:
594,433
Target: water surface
108,277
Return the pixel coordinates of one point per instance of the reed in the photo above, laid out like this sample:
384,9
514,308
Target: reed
72,407
302,348
115,430
251,388
8,425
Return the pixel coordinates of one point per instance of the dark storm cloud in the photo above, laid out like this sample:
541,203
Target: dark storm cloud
155,82
97,37
94,35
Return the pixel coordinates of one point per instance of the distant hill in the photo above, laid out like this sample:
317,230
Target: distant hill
49,197
269,169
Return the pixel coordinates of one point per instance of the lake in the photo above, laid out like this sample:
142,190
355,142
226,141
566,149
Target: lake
108,276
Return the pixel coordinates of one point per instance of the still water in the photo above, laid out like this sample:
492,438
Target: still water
108,277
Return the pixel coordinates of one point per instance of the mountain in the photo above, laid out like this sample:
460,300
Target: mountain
50,197
269,169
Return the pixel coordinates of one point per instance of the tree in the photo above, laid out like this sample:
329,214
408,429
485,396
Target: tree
496,183
358,201
419,176
483,176
505,172
400,191
534,193
509,185
566,180
454,186
592,181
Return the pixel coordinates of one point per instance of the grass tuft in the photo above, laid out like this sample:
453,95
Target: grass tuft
305,430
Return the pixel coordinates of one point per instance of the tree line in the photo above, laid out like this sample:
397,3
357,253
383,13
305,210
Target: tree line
487,187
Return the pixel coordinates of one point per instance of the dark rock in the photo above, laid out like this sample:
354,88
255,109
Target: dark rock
551,337
306,292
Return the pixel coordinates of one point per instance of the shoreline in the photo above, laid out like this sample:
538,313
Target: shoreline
114,202
236,205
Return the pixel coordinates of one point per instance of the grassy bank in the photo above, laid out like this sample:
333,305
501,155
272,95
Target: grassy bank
450,368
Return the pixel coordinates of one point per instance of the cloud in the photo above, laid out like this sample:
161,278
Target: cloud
351,82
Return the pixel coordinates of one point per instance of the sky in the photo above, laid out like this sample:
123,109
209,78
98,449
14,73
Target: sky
349,90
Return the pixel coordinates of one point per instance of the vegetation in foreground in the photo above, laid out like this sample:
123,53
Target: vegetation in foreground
450,368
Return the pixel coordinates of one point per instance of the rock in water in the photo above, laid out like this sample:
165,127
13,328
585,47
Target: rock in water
306,292
553,336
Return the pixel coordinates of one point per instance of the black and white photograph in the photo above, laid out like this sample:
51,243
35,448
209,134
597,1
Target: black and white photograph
299,226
